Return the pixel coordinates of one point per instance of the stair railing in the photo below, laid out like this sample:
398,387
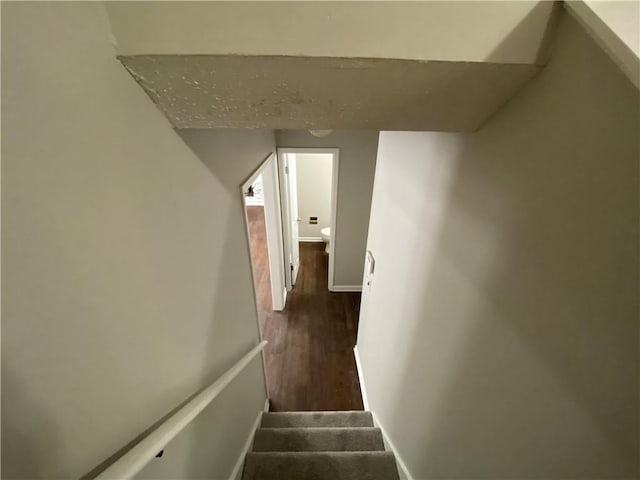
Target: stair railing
144,451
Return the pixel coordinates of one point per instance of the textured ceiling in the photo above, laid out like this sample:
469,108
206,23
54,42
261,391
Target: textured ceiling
210,91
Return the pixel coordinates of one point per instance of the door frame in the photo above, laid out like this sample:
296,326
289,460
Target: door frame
273,224
284,174
335,165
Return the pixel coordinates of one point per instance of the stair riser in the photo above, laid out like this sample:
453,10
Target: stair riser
318,440
321,466
317,419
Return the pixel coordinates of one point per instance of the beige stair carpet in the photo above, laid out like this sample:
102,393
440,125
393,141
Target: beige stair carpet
319,446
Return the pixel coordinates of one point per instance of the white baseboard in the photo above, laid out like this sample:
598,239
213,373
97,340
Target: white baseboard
363,389
310,239
346,288
253,202
403,471
236,473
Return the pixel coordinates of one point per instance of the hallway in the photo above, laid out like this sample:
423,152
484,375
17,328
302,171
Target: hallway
310,362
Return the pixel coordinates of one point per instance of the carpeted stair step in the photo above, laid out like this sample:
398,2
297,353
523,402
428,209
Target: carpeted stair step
317,439
316,419
320,466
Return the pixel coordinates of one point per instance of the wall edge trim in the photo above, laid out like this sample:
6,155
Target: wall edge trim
363,389
404,472
237,468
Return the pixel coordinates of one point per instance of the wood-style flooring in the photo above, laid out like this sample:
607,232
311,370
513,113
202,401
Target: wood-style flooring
309,357
260,258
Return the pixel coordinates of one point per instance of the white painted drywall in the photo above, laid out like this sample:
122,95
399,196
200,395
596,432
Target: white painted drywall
199,451
313,174
355,183
441,30
124,288
622,17
615,25
499,338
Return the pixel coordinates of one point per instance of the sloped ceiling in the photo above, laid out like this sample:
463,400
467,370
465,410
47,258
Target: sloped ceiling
437,65
278,92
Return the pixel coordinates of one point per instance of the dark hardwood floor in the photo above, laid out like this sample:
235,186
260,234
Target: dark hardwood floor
310,362
260,258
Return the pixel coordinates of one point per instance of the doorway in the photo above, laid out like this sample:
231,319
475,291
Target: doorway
309,362
308,187
261,200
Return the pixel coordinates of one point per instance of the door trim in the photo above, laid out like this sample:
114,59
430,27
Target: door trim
273,225
335,166
285,214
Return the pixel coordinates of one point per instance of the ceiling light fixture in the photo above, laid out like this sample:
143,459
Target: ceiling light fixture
320,133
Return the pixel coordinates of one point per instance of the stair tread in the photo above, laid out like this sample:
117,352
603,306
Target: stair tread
318,439
320,466
317,419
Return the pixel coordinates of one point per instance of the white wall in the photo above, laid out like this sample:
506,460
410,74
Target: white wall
355,183
441,30
615,25
124,290
210,445
313,176
621,17
500,335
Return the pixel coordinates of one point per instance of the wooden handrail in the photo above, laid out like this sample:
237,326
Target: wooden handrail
135,459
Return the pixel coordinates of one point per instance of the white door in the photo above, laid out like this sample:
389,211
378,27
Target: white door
290,214
273,227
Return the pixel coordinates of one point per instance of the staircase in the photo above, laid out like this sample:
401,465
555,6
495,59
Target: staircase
319,446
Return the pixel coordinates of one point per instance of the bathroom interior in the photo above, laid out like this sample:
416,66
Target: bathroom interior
313,174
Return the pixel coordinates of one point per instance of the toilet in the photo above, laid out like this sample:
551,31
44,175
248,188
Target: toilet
326,237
